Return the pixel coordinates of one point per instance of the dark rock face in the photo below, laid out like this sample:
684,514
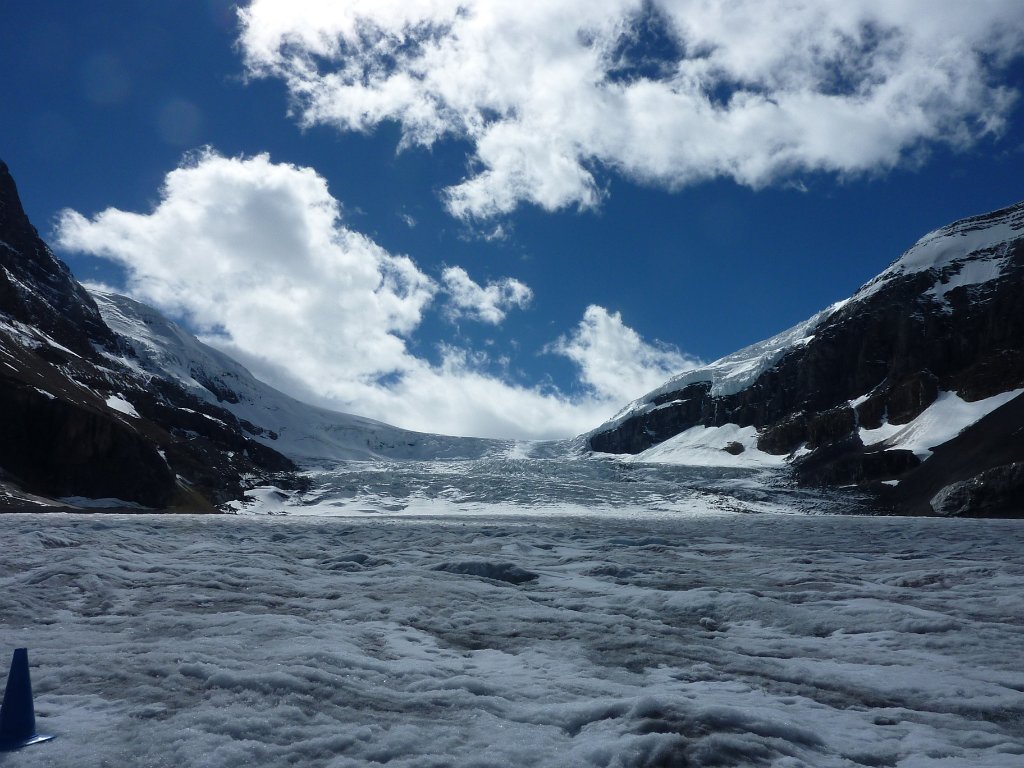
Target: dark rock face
66,426
62,448
846,463
36,288
957,474
884,356
995,492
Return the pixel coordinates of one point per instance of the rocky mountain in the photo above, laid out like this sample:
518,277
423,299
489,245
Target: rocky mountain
912,388
103,398
78,420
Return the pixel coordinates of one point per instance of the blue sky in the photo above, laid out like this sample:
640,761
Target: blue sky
539,210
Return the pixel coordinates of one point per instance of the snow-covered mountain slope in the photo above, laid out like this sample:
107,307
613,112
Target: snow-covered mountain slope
971,251
727,375
863,392
302,432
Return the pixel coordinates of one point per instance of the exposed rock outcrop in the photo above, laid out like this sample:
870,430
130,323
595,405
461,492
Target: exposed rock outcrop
77,419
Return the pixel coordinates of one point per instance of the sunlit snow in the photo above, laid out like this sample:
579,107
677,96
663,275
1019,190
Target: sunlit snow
938,423
967,252
732,373
119,404
301,431
702,446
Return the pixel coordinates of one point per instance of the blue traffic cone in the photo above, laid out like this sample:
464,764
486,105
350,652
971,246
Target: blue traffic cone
17,715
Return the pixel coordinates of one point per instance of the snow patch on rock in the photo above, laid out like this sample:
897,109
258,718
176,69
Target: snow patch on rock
710,447
119,404
939,423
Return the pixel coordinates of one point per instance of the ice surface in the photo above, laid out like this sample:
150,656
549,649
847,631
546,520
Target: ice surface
544,479
694,640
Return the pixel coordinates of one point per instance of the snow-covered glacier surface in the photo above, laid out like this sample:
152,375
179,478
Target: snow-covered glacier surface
520,611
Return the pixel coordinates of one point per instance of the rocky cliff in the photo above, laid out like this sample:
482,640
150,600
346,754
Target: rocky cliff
79,419
910,388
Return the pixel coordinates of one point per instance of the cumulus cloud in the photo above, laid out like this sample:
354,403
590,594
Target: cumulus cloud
252,253
662,91
255,256
614,361
488,304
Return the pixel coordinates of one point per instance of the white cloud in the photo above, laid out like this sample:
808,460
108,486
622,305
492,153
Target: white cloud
663,91
614,361
254,255
252,252
488,304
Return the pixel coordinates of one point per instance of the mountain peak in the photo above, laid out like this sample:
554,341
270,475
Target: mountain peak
983,240
12,215
36,287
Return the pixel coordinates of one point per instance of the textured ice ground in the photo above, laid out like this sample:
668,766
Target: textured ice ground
547,478
486,640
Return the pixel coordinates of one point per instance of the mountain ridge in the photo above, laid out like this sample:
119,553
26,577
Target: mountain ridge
305,433
947,316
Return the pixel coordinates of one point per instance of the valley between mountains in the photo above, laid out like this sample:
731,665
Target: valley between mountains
906,396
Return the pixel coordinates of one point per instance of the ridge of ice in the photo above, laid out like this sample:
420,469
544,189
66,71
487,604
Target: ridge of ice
732,373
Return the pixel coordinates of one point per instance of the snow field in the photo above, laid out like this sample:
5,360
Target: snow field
939,423
717,640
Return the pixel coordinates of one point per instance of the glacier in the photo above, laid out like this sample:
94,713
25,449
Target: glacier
419,600
618,638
